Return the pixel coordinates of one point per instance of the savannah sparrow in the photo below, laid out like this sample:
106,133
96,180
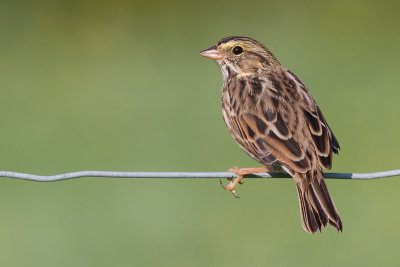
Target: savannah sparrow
272,116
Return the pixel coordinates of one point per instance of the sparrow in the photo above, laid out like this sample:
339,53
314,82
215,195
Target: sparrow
274,119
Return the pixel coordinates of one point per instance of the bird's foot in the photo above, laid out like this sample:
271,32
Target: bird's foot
240,172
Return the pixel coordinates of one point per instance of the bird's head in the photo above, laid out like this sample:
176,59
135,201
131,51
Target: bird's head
240,55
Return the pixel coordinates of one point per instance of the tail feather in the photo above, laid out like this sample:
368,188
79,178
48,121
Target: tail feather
316,206
309,218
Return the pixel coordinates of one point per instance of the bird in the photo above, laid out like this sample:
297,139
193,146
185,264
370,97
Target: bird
272,116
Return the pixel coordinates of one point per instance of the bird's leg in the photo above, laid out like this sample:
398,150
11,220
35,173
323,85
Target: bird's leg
240,174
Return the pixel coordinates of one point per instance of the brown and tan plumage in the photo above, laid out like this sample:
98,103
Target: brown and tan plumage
274,119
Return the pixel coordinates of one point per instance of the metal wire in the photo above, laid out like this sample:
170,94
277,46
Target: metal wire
112,174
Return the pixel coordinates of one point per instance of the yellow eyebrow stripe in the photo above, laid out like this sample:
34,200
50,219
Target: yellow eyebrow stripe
231,44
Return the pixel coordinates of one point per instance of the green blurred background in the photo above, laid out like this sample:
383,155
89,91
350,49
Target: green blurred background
119,85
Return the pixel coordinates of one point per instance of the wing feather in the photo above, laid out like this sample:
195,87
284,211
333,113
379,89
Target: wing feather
270,128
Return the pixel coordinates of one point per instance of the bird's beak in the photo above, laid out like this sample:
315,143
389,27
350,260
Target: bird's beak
211,53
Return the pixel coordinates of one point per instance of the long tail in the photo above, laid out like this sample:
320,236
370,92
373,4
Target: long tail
316,205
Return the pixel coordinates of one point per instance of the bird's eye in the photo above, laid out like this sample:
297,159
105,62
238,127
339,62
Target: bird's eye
237,50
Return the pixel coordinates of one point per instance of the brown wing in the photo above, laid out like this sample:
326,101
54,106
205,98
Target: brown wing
324,141
279,121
